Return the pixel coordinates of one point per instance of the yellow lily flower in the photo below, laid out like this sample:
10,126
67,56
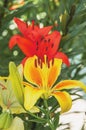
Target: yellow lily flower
41,77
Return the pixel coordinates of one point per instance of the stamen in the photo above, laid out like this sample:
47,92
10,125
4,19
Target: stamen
41,64
49,40
26,24
33,24
39,60
3,87
35,62
8,104
42,38
47,59
45,40
47,62
52,61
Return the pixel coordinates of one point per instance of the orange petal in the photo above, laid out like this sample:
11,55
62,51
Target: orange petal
54,71
32,73
31,95
68,84
64,100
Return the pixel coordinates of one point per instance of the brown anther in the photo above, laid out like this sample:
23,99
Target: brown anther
45,40
52,61
39,60
33,24
48,64
3,87
49,40
26,24
42,38
41,64
8,104
35,62
52,45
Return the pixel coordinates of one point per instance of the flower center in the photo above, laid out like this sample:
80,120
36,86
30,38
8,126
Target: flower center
39,63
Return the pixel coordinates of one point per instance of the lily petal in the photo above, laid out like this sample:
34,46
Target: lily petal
64,100
31,95
69,84
25,45
54,71
22,26
53,46
32,73
17,124
45,30
64,58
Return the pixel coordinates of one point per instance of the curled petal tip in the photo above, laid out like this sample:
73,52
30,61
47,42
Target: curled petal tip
61,55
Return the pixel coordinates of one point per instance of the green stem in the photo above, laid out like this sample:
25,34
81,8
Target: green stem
49,120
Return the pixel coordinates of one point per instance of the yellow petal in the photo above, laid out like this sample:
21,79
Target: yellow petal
31,95
68,84
54,71
34,109
17,124
64,100
31,72
16,82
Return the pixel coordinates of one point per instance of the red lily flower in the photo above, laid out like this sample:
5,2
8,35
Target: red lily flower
38,41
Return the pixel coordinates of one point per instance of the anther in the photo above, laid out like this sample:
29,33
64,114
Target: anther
42,38
35,62
52,45
26,24
48,63
49,40
33,24
52,61
41,64
39,60
3,87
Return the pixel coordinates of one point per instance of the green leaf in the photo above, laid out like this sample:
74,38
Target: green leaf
74,32
56,119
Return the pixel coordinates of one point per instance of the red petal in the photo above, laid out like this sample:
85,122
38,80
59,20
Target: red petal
44,31
22,26
55,41
25,45
64,58
13,41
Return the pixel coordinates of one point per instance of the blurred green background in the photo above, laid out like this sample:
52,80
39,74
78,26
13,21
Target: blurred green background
66,16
